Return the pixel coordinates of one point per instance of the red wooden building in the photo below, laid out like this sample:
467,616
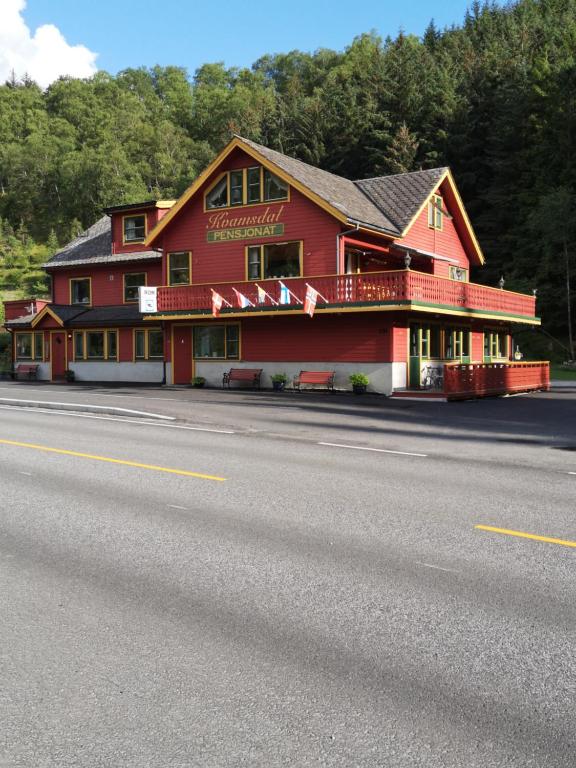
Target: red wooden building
388,260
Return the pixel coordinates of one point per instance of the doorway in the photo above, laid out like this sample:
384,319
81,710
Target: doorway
182,354
58,355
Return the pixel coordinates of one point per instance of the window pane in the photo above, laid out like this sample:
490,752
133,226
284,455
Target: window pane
218,196
486,344
209,341
78,346
232,342
24,346
434,341
466,343
95,345
38,346
80,291
112,345
134,228
438,207
179,273
254,263
254,193
425,349
131,284
139,345
282,260
155,344
274,188
236,187
414,351
449,344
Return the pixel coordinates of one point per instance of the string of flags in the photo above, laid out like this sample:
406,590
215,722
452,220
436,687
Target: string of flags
286,297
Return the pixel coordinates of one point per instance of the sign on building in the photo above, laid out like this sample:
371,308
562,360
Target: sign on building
147,299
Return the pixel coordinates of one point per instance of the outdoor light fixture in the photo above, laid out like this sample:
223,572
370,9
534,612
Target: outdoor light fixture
501,283
407,260
535,292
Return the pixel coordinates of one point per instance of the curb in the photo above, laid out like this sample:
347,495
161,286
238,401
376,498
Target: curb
104,410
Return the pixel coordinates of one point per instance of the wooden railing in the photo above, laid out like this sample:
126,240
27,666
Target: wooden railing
464,381
399,286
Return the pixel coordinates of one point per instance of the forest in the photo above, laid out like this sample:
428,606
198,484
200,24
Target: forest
493,97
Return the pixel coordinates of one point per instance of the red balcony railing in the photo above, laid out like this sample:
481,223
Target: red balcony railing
401,286
464,381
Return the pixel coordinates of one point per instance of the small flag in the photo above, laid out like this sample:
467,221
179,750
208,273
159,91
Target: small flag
284,293
217,302
261,295
243,301
310,300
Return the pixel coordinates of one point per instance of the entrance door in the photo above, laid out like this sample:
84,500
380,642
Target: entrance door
415,364
182,355
58,354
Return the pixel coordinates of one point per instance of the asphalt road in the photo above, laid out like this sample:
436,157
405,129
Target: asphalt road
276,601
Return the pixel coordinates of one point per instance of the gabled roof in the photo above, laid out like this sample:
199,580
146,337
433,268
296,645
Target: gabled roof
401,195
80,317
385,204
94,246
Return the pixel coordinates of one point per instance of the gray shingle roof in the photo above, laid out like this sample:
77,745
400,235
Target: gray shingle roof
402,194
94,246
339,192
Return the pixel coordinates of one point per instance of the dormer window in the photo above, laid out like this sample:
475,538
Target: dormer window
246,186
435,212
134,228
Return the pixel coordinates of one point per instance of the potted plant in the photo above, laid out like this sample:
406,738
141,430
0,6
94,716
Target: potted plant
359,383
198,381
69,375
279,381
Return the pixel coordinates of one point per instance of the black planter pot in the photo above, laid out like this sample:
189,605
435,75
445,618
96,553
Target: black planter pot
278,386
359,389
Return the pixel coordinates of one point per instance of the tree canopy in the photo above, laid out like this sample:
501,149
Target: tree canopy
494,98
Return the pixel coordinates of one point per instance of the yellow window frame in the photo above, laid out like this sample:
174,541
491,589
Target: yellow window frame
78,280
105,358
245,203
34,335
261,246
146,332
219,325
134,216
435,213
131,274
168,271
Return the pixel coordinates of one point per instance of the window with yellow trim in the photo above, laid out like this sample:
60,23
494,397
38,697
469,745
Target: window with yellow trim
217,342
179,268
246,186
148,344
274,260
495,345
435,212
132,281
458,273
80,290
134,228
29,346
96,346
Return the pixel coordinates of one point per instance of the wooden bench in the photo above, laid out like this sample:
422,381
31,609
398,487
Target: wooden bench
26,369
318,378
251,375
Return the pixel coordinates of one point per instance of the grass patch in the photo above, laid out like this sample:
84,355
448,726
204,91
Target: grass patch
560,373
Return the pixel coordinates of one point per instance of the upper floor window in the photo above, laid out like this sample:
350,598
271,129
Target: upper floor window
131,284
435,212
179,271
134,228
80,290
458,273
246,186
274,260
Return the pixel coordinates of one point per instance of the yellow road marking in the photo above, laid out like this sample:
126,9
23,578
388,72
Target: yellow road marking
126,463
523,535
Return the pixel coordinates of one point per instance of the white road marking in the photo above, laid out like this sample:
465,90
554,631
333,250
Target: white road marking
28,474
436,567
376,450
53,412
175,506
39,403
572,473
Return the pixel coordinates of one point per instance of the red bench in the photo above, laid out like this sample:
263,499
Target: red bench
26,369
318,378
251,375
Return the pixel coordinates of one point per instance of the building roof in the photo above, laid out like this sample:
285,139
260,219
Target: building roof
82,317
94,246
401,195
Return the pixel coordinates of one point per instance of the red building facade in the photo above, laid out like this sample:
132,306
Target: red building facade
388,260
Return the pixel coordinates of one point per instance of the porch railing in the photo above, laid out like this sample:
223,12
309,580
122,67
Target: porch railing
466,380
398,286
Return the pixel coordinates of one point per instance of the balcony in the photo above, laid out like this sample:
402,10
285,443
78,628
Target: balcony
396,290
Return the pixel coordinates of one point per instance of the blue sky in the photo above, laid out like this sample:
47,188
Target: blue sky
132,33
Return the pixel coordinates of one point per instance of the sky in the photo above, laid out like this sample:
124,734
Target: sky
49,38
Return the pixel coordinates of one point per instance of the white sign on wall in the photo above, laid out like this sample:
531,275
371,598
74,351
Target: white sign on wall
147,299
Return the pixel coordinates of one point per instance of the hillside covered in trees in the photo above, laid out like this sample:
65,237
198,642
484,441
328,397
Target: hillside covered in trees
494,98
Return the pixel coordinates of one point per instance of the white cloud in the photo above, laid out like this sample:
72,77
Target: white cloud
44,55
